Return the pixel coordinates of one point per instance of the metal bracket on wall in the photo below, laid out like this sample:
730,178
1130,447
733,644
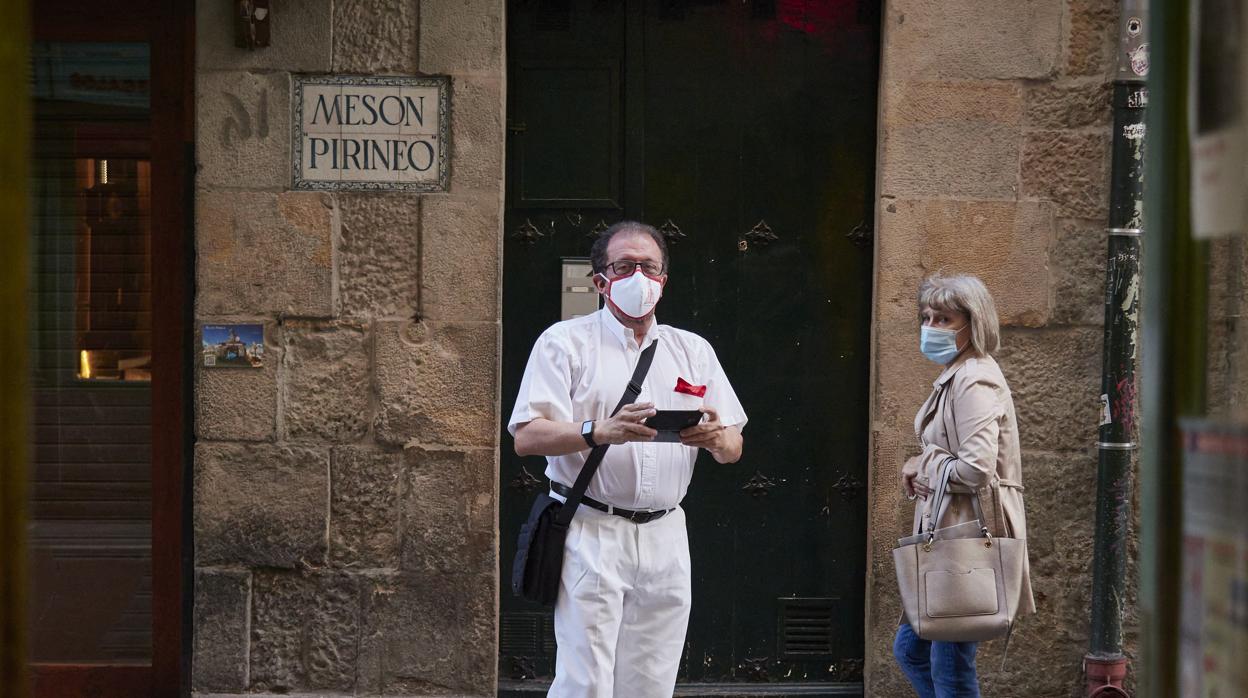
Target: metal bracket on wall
761,234
525,481
848,486
759,484
528,233
599,228
862,235
672,232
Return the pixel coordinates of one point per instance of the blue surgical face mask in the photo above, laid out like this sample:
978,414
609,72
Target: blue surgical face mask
939,345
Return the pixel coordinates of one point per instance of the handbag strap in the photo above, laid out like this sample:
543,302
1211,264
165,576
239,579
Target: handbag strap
564,517
941,500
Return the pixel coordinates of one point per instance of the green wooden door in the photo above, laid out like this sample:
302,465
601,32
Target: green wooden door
746,132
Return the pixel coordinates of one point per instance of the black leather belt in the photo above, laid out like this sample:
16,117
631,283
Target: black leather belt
640,517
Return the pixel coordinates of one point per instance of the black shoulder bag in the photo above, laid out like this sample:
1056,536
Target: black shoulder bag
539,551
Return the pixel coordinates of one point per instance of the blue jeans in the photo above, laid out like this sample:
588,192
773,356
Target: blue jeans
936,669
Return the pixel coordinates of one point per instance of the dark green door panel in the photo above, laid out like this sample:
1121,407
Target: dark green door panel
746,131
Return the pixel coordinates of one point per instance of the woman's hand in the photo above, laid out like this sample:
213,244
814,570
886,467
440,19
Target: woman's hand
909,480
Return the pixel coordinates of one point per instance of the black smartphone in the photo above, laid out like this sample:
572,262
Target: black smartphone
669,423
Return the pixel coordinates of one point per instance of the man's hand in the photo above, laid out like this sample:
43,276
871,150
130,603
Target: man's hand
722,441
909,480
626,425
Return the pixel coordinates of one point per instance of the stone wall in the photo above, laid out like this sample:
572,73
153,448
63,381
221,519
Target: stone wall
994,160
345,495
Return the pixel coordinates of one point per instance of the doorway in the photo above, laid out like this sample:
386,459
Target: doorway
744,131
110,320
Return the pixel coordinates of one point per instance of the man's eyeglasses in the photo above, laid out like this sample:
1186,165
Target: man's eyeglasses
625,267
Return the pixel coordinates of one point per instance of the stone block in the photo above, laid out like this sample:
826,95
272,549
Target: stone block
262,252
260,504
1068,104
325,386
1005,243
461,273
239,404
951,139
478,134
1055,377
1069,169
378,254
1061,510
449,511
300,38
305,632
242,122
437,383
222,623
1092,37
364,507
462,37
972,39
376,36
905,375
1079,273
428,634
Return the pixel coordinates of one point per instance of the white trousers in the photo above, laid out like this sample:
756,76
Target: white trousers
623,607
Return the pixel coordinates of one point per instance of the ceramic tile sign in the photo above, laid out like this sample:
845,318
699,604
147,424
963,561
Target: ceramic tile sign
371,133
233,346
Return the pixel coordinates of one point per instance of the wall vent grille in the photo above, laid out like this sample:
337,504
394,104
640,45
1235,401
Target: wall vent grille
806,627
527,634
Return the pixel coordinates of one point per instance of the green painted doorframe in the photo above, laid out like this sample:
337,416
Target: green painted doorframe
1173,355
14,166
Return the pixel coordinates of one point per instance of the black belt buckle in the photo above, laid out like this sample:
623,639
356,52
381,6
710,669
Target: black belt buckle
642,517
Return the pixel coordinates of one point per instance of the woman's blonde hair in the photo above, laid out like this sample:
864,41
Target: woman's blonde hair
967,294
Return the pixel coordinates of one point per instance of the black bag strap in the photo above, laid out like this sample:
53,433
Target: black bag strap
595,456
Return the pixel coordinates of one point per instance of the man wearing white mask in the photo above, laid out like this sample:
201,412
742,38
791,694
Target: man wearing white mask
624,594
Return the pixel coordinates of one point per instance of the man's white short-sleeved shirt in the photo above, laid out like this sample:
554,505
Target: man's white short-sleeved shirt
578,370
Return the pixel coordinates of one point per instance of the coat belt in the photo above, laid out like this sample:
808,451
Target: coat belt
956,488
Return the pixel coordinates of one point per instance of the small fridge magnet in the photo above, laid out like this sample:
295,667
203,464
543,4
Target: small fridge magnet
233,346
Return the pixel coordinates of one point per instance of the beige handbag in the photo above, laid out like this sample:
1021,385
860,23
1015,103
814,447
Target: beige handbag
960,589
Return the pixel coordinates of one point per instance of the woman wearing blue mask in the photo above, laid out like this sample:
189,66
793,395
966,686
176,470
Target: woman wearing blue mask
970,419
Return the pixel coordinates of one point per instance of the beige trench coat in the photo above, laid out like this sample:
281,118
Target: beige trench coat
970,415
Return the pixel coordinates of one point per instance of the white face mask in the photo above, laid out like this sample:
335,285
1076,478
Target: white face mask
635,295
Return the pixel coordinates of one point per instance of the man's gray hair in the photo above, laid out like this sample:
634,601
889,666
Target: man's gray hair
598,253
967,294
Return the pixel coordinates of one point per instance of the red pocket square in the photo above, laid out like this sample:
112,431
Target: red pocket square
684,386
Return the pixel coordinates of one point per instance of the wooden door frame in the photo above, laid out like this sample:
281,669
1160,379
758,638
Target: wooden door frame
168,25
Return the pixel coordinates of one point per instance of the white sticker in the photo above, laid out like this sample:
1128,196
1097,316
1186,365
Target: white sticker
1139,60
1105,418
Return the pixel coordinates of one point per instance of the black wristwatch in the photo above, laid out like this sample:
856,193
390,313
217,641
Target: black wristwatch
587,432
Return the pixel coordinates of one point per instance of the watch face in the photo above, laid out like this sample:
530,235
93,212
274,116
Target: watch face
587,428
